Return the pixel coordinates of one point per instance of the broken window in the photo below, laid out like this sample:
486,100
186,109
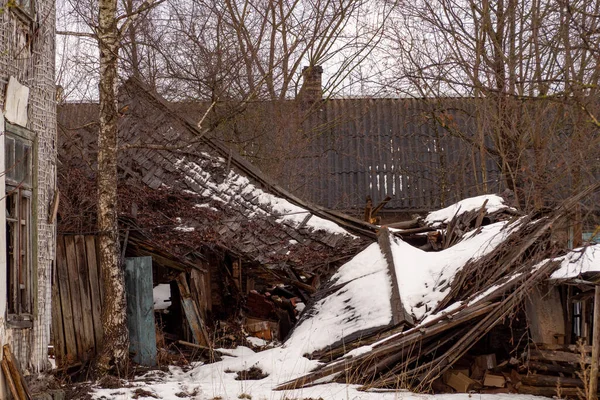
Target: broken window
18,173
26,6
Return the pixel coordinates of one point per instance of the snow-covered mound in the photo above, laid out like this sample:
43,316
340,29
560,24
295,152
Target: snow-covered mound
445,215
362,301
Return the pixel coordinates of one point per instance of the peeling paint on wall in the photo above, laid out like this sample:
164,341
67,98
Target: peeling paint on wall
15,106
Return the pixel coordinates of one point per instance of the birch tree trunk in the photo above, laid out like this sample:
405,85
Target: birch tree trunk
114,354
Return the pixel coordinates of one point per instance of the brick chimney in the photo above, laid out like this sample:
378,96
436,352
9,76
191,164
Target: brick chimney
311,89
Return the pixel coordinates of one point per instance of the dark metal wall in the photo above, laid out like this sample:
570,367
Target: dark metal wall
390,147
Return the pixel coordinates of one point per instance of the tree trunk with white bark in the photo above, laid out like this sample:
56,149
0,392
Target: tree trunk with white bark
114,353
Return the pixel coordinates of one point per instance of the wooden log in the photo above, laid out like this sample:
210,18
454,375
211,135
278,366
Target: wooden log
54,207
549,391
547,367
194,345
380,206
9,380
57,319
593,383
413,223
15,372
561,356
399,313
368,209
553,381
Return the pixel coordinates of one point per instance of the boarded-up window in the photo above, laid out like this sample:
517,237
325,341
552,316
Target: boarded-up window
20,282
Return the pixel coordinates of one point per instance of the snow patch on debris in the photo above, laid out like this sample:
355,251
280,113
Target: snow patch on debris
577,262
184,228
362,302
236,188
424,277
445,215
162,296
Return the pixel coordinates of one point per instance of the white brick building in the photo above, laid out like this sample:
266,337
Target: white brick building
28,159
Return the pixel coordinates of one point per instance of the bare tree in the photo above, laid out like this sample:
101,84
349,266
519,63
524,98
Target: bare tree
530,67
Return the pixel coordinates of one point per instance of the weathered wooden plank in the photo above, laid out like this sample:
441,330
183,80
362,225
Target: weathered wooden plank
140,310
199,292
73,279
552,381
88,344
70,350
191,312
95,285
549,391
58,333
545,315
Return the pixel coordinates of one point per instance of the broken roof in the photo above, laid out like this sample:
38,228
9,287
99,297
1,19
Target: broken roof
211,195
455,297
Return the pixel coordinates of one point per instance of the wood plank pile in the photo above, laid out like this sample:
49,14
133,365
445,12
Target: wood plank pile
487,293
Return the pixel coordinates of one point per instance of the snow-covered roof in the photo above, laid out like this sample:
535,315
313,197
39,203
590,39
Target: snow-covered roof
578,262
209,195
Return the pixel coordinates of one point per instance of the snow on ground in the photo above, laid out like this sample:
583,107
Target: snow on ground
443,216
217,381
162,296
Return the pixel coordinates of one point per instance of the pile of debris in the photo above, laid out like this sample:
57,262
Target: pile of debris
480,314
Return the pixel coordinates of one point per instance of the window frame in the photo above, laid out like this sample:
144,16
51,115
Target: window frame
24,12
21,254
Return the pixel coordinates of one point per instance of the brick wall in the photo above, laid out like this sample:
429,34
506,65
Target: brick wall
27,54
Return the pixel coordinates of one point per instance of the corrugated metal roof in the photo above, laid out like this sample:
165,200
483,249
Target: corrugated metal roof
390,147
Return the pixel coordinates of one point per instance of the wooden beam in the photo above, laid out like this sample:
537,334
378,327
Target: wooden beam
399,313
593,383
380,206
368,209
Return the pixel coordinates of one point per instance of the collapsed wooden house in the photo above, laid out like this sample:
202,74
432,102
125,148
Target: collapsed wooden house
219,232
504,307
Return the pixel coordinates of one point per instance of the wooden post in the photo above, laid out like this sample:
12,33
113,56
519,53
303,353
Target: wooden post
399,313
140,310
593,383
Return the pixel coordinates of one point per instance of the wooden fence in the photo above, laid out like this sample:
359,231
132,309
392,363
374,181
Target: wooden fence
76,299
